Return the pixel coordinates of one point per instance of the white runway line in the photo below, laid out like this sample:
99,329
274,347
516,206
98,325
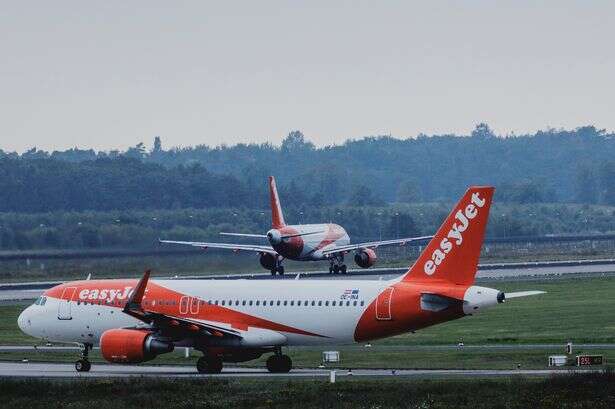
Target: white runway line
51,370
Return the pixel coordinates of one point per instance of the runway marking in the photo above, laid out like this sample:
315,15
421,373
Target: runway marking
52,370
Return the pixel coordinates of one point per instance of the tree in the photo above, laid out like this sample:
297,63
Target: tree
407,192
482,131
363,196
157,145
586,185
295,141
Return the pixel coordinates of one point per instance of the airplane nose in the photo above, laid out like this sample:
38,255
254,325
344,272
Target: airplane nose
23,321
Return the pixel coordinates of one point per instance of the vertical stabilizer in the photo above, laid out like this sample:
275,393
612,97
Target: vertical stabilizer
452,255
277,218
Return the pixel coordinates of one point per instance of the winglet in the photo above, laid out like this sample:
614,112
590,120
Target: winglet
134,302
277,218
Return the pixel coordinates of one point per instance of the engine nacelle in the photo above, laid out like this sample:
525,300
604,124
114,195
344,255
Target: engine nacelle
365,258
274,236
131,346
268,261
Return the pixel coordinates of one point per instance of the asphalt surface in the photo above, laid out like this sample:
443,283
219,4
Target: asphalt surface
487,272
487,347
52,370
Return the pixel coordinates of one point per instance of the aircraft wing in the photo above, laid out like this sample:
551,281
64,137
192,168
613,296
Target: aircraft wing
373,244
179,328
229,246
169,324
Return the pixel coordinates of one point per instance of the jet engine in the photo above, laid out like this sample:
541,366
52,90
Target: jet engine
365,258
268,261
131,346
274,236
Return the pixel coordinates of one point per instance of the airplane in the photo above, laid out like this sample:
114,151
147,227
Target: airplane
240,320
302,242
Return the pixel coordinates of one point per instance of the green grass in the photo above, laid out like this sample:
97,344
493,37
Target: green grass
594,391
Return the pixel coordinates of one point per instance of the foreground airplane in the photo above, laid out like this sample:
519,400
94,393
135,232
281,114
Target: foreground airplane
239,320
303,242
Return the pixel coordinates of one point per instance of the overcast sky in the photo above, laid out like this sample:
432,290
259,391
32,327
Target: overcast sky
110,74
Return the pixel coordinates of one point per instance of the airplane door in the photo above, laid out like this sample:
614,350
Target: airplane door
64,303
383,305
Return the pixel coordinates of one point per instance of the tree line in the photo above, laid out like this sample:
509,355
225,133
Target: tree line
565,166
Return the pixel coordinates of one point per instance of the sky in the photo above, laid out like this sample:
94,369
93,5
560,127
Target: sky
110,74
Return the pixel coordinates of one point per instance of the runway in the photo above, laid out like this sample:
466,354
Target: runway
486,272
53,370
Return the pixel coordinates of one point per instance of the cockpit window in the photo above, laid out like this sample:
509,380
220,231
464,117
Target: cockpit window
40,300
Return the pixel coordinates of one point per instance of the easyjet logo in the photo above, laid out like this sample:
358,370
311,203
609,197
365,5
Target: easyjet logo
454,238
106,294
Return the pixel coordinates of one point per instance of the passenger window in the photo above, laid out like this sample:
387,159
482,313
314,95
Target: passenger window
271,302
223,302
333,303
313,303
258,302
250,302
278,302
285,302
354,303
326,303
362,303
243,302
237,302
216,302
347,303
320,303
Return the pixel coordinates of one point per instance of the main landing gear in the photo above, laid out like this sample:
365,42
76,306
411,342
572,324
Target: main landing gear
209,364
337,266
83,364
279,363
278,268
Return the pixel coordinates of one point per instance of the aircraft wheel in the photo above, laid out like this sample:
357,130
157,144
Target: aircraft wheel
209,364
343,268
336,269
279,364
281,270
83,365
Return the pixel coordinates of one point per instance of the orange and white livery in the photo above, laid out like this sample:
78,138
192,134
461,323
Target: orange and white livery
239,320
303,242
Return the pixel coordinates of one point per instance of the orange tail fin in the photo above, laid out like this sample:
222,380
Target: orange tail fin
453,253
277,218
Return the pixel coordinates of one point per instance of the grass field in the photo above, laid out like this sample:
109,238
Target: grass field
580,310
575,391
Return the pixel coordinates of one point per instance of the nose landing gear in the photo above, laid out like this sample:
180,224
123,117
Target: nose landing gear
83,364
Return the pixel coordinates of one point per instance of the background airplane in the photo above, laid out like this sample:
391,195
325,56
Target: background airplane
239,320
303,242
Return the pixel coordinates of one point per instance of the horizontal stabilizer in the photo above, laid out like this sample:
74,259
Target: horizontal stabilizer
523,294
262,236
